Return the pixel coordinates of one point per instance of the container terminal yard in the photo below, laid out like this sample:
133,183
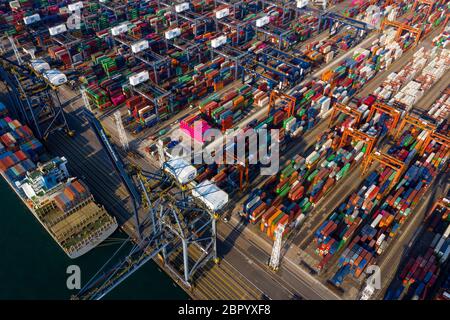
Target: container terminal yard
103,101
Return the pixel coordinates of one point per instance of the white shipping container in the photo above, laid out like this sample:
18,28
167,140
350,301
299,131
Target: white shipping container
139,78
312,157
32,19
55,77
222,13
263,102
139,46
57,29
182,7
380,239
359,156
75,6
217,42
376,221
302,3
170,34
327,144
262,21
297,132
447,232
430,158
115,31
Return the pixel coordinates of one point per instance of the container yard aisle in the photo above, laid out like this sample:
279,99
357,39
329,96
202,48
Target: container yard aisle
433,94
248,241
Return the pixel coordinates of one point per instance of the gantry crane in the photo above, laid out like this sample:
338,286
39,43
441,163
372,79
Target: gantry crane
242,166
339,107
384,108
417,123
35,100
401,27
430,4
243,175
358,135
446,21
388,161
439,138
119,166
290,102
444,203
176,228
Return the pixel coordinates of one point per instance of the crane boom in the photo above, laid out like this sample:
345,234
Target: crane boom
118,165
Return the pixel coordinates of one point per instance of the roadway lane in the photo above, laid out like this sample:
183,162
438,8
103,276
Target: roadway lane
291,278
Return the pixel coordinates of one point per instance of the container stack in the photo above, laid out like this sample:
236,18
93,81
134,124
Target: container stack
431,72
18,149
353,73
304,181
440,110
194,126
443,39
227,109
384,224
430,253
340,226
312,103
98,97
304,27
73,194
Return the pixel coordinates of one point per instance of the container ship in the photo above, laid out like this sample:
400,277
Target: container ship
62,204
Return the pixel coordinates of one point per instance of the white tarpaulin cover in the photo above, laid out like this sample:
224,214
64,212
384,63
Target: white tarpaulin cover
211,195
182,170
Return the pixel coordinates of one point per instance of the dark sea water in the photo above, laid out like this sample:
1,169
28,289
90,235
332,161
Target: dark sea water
33,266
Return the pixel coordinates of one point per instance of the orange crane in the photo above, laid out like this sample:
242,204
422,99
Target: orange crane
439,138
384,108
417,123
243,170
401,27
388,161
430,4
446,21
290,102
242,167
443,203
358,135
352,112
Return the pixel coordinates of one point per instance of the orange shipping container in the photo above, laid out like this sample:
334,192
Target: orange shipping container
266,217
